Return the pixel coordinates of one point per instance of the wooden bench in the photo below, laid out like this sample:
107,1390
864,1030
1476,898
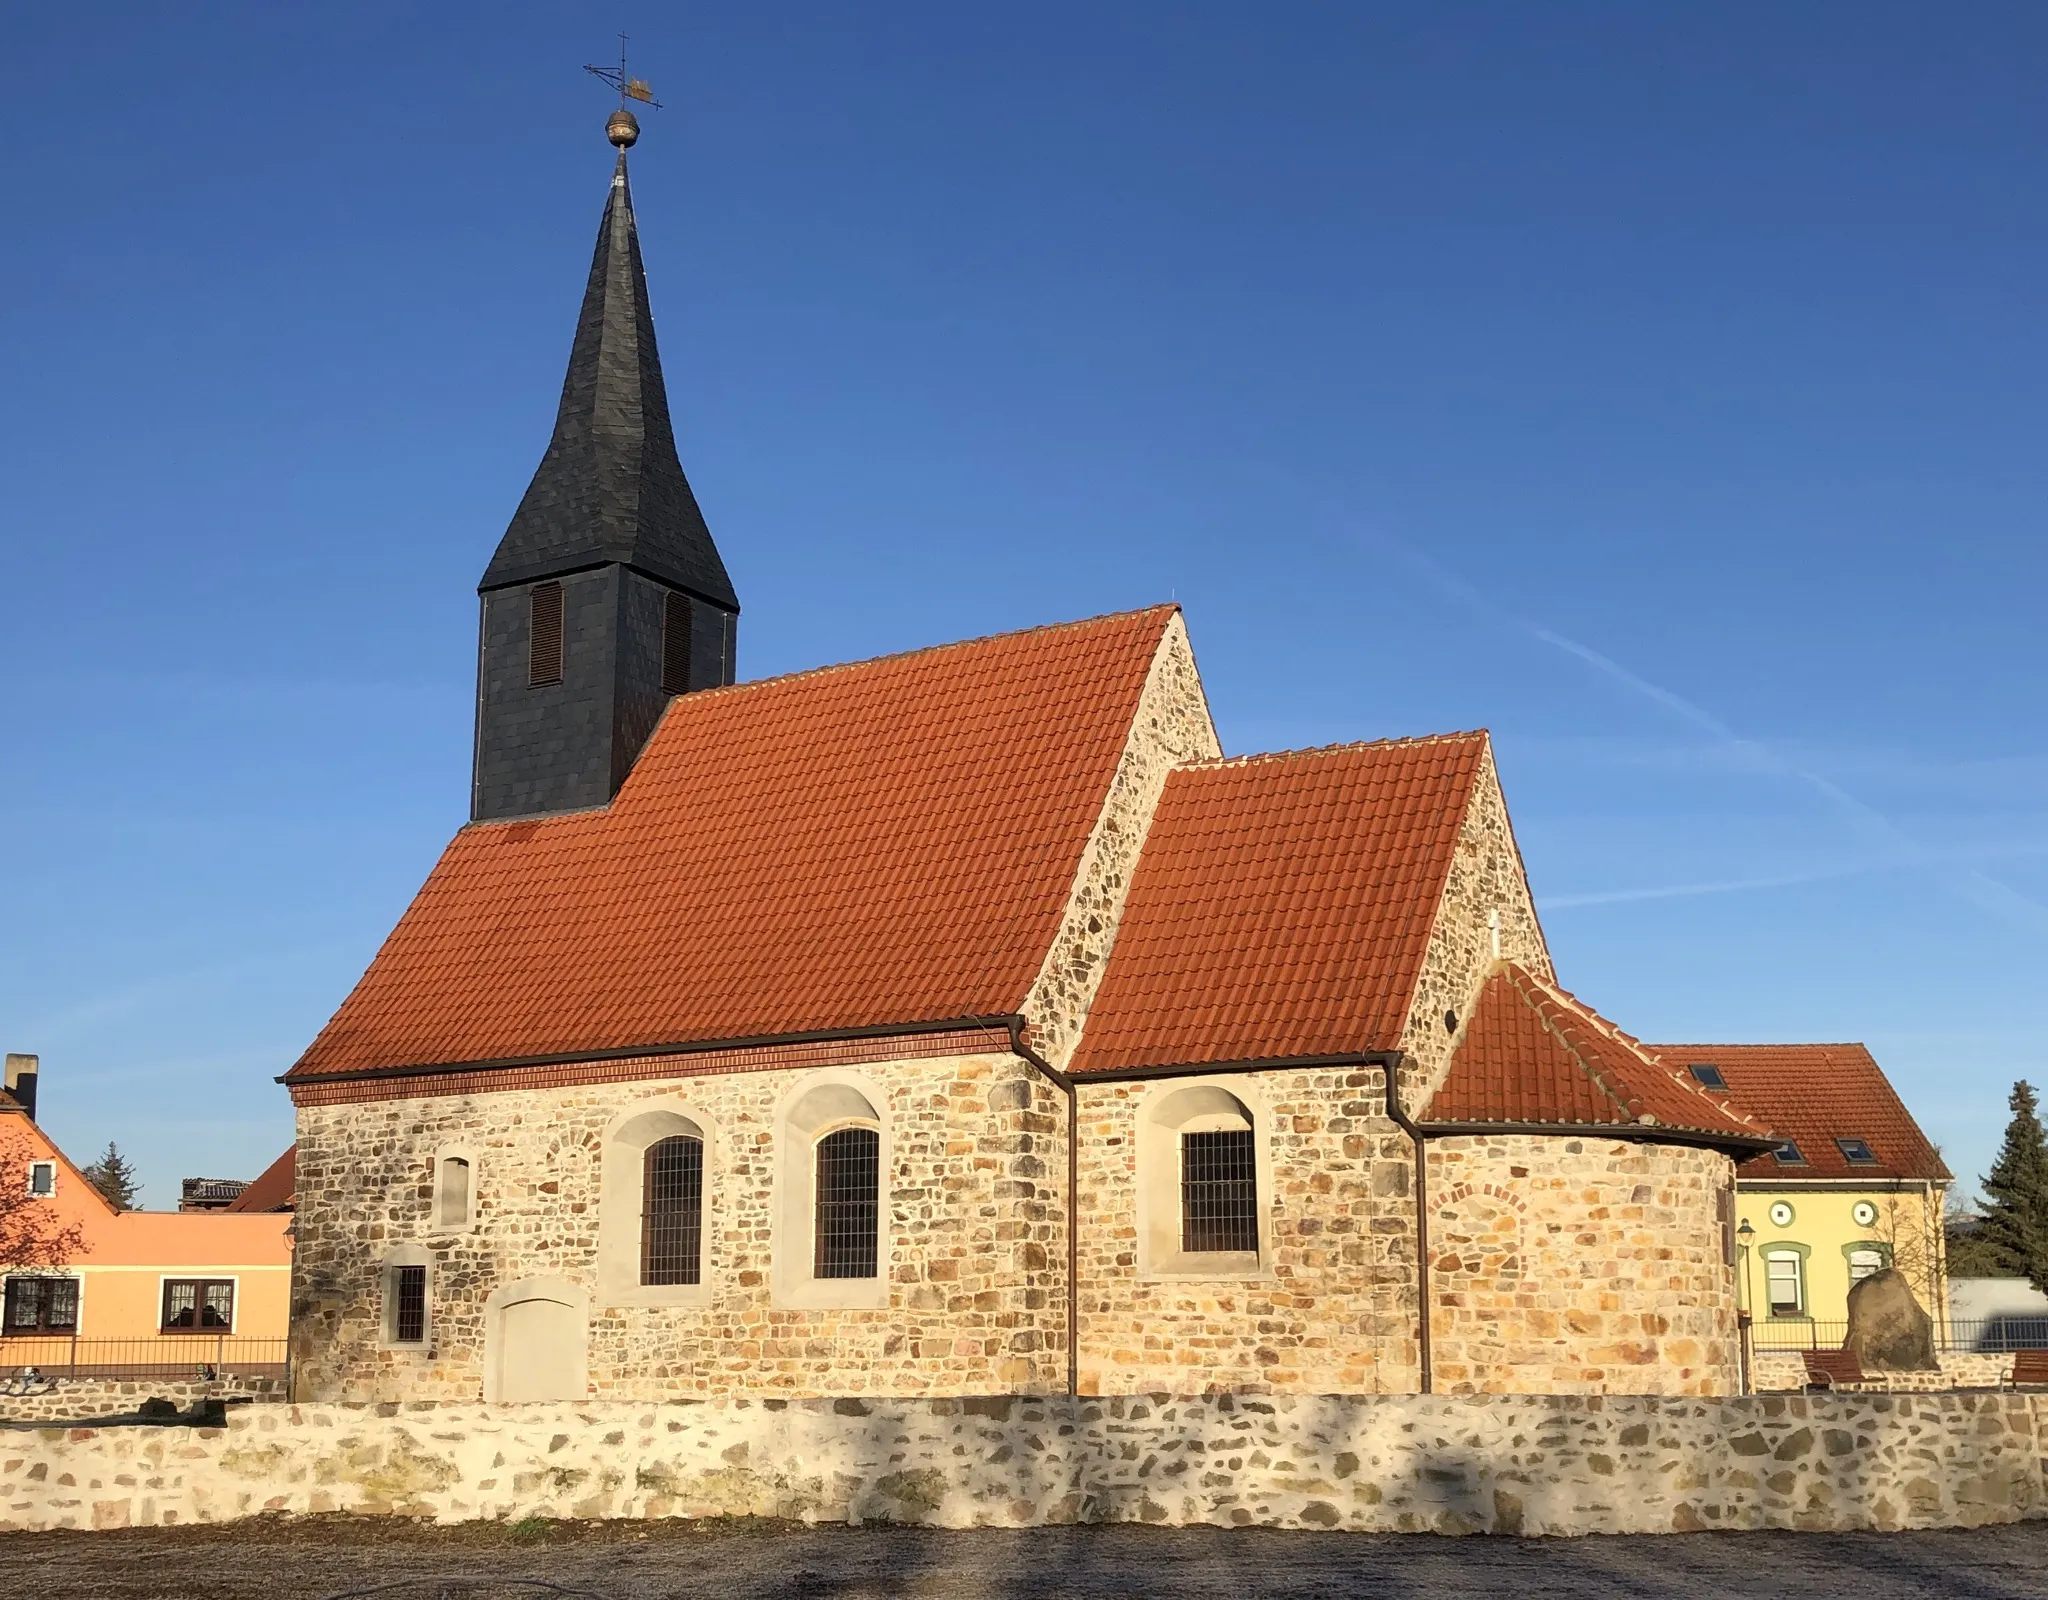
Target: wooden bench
1826,1368
2028,1367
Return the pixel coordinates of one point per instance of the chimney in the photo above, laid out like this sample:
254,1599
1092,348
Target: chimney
21,1081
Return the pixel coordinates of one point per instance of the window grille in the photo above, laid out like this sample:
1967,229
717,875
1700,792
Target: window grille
1219,1191
675,643
198,1305
544,639
849,1185
1782,1273
409,1305
672,1211
41,1305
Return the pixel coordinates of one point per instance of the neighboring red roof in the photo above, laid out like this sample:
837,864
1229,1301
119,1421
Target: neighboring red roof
889,842
1531,1053
273,1189
1815,1094
1282,905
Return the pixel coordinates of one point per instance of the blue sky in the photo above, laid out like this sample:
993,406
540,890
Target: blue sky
1659,387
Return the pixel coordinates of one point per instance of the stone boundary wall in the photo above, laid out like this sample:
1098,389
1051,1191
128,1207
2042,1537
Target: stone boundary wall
106,1397
1780,1370
1414,1463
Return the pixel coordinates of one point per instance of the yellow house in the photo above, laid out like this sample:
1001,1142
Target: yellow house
1853,1187
148,1292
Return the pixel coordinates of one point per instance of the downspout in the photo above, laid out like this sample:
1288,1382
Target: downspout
1061,1081
1422,1292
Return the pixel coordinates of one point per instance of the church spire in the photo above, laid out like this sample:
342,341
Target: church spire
611,487
606,596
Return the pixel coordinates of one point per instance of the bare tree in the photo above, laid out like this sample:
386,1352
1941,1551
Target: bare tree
1911,1230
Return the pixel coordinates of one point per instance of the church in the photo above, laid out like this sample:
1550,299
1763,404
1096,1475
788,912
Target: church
961,1022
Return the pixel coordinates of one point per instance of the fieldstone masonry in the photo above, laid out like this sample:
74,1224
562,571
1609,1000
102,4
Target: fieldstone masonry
1554,1465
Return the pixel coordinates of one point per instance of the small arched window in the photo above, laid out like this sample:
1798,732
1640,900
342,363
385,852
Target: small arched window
1219,1190
1204,1178
848,1201
672,1211
452,1192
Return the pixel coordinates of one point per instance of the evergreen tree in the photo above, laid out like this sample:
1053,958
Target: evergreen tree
114,1176
2015,1228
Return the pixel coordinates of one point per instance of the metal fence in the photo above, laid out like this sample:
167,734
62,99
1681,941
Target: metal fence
173,1357
1989,1335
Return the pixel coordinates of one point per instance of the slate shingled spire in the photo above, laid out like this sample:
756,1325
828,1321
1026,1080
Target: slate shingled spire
606,594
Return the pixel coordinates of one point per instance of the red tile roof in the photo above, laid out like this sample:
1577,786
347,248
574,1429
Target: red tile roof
1282,905
888,842
1531,1053
1815,1094
275,1188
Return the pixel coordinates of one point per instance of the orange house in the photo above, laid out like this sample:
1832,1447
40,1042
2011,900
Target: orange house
155,1291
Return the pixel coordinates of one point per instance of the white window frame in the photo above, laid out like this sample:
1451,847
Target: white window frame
1198,1105
76,1274
622,1172
441,1218
36,1168
1798,1282
201,1275
815,1106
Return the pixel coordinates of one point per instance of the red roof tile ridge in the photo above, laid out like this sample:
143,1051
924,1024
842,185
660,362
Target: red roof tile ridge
1628,1041
1807,1044
1547,998
1163,610
1341,748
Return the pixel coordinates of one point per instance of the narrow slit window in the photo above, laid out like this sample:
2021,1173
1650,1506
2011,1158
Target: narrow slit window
675,643
451,1193
672,1211
544,641
409,1305
849,1185
1219,1191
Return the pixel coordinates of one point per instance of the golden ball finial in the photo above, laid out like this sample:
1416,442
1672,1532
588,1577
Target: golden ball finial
623,128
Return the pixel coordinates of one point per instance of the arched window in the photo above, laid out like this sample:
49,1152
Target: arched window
672,1211
658,1172
1204,1176
454,1192
848,1190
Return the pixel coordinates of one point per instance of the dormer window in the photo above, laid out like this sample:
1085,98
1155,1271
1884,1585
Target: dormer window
42,1179
1857,1152
544,636
1789,1154
1706,1075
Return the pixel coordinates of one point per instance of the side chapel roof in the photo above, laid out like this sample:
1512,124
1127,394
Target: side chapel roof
1530,1053
1814,1094
1283,905
885,843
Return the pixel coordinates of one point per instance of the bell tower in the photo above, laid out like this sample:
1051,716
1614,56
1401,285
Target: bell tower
606,596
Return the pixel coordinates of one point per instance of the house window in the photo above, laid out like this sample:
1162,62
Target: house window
672,1211
849,1181
1865,1261
408,1305
544,636
1707,1075
42,1179
41,1305
1857,1152
199,1305
1784,1275
1219,1191
453,1192
1788,1153
675,643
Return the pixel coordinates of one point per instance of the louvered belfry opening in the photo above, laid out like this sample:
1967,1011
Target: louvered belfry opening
409,1315
849,1183
675,643
544,646
672,1211
1219,1191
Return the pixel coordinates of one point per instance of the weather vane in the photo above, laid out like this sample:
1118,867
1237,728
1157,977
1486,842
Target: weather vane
624,127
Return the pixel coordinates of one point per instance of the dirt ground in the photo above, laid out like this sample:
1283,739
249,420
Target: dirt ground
321,1557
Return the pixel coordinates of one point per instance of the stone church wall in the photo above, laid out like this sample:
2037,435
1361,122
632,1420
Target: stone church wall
1579,1266
972,1298
1486,878
1330,1308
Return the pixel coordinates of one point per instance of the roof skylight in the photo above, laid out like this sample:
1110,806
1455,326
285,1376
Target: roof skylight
1706,1075
1789,1155
1857,1152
